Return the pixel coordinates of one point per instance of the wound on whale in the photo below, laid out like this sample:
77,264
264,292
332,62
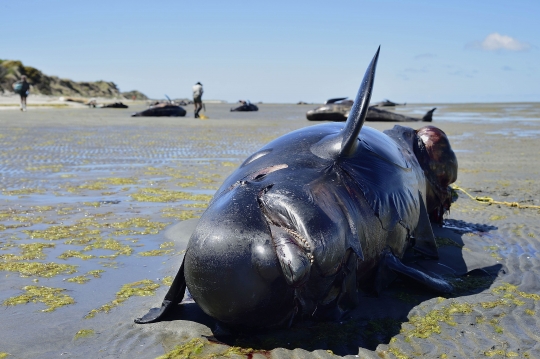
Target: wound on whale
315,217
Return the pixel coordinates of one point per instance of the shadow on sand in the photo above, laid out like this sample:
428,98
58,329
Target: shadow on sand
377,319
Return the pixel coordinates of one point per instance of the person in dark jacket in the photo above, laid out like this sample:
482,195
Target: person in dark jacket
22,87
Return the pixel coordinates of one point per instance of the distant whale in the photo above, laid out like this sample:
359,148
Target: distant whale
312,218
113,105
163,109
376,114
245,107
337,109
388,103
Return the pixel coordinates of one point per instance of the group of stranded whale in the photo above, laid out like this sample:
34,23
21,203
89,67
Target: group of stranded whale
334,109
337,109
313,218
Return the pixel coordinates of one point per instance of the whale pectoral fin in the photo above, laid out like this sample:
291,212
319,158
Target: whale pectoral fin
423,234
173,297
385,273
391,263
348,298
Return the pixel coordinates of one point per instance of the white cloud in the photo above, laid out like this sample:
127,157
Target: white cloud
496,41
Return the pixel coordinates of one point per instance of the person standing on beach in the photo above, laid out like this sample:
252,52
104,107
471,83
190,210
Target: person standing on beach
22,87
197,98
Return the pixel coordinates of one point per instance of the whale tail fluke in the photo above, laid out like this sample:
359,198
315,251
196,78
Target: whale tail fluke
428,117
359,110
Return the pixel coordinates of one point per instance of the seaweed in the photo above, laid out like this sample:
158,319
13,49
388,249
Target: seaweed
110,244
187,350
23,191
53,298
29,251
181,215
84,333
155,252
203,349
425,326
75,254
163,195
47,270
145,287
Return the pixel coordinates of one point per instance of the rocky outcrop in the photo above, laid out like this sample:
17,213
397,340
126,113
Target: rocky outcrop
12,70
134,95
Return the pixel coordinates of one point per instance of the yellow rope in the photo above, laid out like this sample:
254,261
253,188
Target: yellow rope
490,200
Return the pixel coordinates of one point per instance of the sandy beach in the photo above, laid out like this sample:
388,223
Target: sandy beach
96,208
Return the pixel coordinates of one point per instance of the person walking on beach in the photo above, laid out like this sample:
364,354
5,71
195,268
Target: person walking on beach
22,87
197,98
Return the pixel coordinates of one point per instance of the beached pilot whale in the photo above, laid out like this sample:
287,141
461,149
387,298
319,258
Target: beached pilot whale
312,218
162,110
388,103
245,106
337,109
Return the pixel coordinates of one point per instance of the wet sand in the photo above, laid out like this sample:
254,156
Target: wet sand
106,203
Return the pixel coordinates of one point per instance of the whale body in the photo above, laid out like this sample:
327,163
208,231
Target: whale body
162,110
315,217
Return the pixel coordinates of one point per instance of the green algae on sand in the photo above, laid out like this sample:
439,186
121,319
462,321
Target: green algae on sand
52,297
510,291
84,333
428,324
145,287
110,244
75,254
23,191
169,279
47,270
203,349
155,252
29,251
181,215
120,181
124,228
77,231
164,195
81,279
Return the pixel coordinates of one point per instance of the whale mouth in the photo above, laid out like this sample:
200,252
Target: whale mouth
293,250
281,220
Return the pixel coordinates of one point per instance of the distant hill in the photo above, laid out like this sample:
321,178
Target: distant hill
12,70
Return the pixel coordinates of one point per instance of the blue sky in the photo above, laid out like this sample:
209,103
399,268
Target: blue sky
285,51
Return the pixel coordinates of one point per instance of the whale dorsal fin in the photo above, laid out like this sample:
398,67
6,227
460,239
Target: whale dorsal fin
359,110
